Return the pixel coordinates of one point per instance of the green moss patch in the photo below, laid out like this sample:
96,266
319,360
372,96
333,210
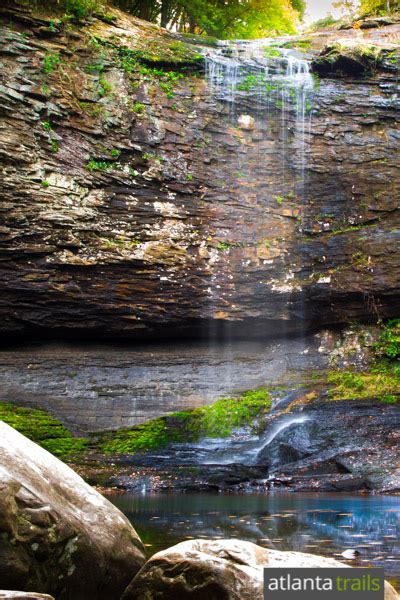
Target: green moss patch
389,341
217,420
382,381
40,427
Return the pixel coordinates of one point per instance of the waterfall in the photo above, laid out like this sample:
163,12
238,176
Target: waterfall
261,76
259,67
268,91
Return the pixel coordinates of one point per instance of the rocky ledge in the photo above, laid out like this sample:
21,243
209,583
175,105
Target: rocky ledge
314,444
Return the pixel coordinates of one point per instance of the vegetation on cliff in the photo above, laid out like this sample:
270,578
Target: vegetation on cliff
382,381
217,420
42,428
232,19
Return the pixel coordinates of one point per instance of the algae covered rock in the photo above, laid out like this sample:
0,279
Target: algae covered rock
353,59
59,536
218,570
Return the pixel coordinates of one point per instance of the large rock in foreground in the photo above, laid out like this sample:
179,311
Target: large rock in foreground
59,536
217,570
11,595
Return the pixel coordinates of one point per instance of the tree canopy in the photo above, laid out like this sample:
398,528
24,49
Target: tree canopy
221,18
379,6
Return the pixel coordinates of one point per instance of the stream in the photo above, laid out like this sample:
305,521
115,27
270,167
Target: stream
324,524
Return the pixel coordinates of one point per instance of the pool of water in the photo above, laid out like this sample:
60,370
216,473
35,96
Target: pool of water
325,524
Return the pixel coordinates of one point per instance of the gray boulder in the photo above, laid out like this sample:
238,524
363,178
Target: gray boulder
217,570
59,536
9,595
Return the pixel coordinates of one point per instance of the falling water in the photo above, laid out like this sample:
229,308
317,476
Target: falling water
260,76
258,67
249,453
262,83
260,80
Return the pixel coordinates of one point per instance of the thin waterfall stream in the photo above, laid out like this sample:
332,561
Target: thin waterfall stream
266,78
261,78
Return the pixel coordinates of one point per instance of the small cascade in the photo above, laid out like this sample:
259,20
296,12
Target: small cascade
248,451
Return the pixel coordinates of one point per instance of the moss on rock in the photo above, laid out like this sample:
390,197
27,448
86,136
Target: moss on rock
42,428
382,381
216,420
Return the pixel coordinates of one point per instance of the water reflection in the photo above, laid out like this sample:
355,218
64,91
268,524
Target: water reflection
325,524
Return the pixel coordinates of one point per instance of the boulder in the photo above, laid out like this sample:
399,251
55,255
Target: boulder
23,595
217,570
345,61
59,536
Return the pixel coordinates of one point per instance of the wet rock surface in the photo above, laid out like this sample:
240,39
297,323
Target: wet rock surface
59,536
131,211
327,445
229,569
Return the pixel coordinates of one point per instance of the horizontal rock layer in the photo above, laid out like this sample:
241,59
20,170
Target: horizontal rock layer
92,388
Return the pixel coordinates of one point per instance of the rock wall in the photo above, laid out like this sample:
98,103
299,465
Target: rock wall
107,387
134,203
94,387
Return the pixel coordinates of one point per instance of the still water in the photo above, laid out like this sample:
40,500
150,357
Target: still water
325,524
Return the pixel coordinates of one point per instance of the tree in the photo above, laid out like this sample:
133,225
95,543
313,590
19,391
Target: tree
348,8
379,6
220,18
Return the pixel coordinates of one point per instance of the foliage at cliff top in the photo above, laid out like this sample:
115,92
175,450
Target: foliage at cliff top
219,18
40,427
379,7
216,420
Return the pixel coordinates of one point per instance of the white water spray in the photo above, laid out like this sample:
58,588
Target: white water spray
249,453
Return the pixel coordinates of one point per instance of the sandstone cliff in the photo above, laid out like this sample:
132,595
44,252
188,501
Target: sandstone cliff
133,203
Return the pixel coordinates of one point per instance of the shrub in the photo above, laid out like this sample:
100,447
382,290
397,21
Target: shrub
138,108
98,165
50,61
389,341
80,9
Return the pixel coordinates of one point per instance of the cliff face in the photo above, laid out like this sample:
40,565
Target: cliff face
134,202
